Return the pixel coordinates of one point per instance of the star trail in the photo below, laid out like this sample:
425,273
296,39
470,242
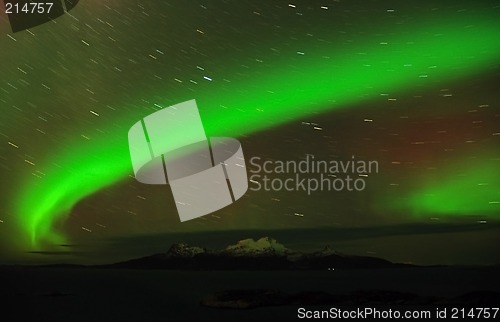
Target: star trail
70,90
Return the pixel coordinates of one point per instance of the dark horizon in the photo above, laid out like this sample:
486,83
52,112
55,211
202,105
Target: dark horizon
417,239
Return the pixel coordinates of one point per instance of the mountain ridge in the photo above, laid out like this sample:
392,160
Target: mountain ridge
248,254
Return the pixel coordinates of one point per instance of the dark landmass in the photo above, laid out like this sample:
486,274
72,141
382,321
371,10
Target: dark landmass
261,277
263,254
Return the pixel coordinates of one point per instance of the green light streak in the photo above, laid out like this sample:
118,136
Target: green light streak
472,190
415,60
52,197
439,51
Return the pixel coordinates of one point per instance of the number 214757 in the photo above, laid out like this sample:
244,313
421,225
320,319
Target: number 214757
28,8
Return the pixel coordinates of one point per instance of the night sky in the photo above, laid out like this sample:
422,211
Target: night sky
412,85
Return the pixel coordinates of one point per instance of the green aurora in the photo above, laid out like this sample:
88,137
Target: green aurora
417,56
471,189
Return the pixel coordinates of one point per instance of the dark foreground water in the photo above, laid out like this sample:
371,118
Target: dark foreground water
89,294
